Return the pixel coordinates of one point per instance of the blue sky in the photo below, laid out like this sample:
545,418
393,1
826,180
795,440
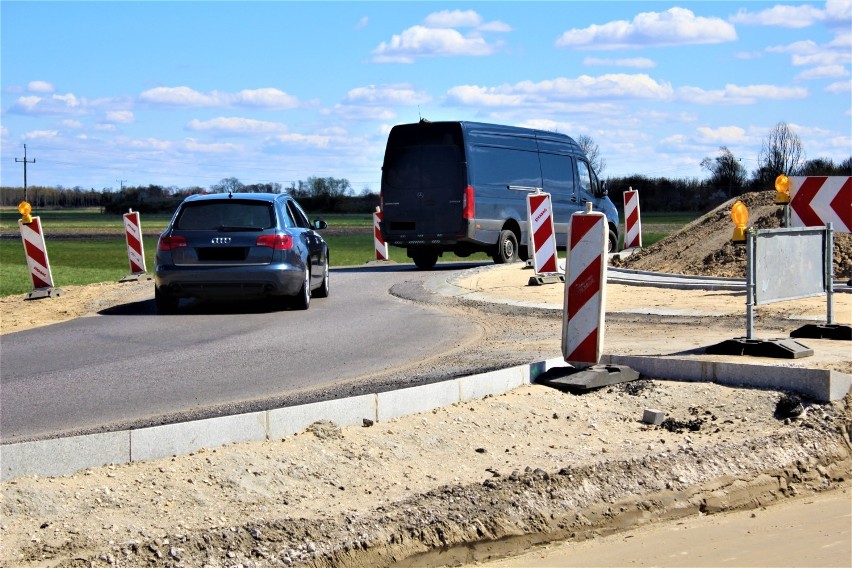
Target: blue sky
188,93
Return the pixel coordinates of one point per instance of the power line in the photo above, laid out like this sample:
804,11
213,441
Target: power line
25,162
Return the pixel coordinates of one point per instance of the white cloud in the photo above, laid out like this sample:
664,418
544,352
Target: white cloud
54,105
635,62
316,141
722,135
70,123
453,19
823,72
438,36
40,87
420,41
736,95
268,98
236,125
613,86
41,135
401,94
120,117
839,11
676,26
362,23
784,16
839,87
193,145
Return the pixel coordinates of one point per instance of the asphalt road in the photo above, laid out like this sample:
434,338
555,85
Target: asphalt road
130,367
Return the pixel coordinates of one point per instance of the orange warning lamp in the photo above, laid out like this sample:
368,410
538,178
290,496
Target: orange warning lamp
24,209
739,214
782,187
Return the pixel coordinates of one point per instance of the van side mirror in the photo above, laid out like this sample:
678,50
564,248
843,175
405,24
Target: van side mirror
319,224
602,189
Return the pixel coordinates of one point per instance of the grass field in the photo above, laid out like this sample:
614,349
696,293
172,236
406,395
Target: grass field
91,247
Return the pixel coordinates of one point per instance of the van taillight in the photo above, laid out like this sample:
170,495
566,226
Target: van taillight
167,243
275,242
468,205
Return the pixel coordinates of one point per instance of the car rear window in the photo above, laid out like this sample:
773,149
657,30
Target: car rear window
231,215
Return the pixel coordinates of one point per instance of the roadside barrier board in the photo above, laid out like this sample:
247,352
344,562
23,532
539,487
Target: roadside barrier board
37,261
542,232
632,220
585,289
380,245
816,201
135,248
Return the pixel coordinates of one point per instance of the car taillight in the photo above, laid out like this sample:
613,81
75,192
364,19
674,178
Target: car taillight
468,205
275,242
167,243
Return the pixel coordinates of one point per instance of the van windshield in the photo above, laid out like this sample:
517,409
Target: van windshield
424,159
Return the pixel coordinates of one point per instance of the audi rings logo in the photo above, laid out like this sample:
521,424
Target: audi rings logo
220,240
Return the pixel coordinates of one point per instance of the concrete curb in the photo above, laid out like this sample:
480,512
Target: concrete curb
63,456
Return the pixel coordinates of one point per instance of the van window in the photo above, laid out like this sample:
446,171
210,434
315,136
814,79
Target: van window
424,158
585,177
503,167
557,172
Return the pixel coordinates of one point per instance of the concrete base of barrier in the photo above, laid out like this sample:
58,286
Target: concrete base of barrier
822,385
63,456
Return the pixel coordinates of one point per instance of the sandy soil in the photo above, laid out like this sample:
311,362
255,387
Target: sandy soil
457,485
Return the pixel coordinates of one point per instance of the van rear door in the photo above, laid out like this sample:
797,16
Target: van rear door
423,181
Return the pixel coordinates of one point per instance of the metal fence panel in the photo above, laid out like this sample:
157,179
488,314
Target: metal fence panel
789,264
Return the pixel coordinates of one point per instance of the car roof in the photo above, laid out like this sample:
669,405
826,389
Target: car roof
242,196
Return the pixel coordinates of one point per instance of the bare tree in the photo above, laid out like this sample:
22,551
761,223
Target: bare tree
726,172
780,153
587,144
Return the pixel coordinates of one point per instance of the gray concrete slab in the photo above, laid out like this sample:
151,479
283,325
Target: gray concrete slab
186,437
479,386
393,404
63,456
343,412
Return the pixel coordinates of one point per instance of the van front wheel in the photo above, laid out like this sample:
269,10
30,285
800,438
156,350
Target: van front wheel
507,248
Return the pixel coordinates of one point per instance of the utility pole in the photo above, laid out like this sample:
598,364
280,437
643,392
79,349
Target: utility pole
25,162
121,183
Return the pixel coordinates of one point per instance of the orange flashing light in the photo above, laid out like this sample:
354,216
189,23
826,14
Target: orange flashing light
782,187
739,215
25,209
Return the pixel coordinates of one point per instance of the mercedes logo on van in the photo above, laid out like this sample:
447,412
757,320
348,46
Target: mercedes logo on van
419,195
220,240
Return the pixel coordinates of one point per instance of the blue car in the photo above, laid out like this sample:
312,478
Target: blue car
232,246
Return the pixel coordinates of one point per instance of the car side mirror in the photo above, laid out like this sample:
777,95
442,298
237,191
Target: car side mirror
319,224
603,191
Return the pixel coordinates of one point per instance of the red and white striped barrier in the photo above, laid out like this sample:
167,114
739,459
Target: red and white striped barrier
632,221
380,245
542,233
585,289
135,248
37,261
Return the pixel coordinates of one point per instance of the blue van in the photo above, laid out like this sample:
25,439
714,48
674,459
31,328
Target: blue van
462,187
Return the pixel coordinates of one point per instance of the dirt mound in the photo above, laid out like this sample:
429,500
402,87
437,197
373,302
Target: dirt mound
704,246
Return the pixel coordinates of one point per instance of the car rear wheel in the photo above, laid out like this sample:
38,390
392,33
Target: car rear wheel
302,300
323,290
165,302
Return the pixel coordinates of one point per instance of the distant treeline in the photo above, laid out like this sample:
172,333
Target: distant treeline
333,195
